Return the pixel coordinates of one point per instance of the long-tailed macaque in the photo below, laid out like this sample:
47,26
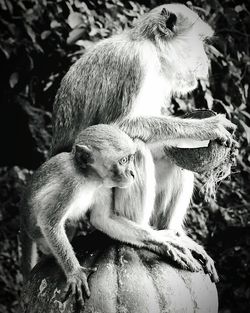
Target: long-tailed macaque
128,79
71,184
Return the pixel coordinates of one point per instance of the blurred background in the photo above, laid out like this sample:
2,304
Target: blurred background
40,39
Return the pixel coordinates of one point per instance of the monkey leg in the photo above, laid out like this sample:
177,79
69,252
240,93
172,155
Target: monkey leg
172,201
124,230
174,189
29,254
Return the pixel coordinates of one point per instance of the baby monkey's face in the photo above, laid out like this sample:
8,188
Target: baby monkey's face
119,172
122,172
111,167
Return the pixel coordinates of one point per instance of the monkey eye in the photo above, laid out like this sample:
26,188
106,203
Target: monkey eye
123,160
131,157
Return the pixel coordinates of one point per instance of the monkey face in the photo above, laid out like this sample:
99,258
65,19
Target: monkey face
188,57
179,33
121,173
104,153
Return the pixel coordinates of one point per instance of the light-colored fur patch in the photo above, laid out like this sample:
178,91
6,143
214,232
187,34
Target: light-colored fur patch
45,194
154,88
83,198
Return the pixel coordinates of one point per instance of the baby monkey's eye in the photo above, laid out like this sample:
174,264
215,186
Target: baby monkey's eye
123,161
131,157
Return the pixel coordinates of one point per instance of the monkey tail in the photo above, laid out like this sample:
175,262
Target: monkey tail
29,253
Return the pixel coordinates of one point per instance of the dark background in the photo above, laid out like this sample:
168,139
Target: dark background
39,40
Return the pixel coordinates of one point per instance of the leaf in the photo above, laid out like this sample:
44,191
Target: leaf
14,78
6,51
54,24
45,34
31,33
3,5
75,35
247,130
209,98
85,43
238,8
75,19
246,114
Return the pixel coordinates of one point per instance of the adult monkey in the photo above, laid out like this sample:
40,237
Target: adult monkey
127,79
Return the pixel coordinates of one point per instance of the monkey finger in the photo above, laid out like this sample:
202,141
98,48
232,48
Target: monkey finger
172,244
185,260
192,264
174,257
79,297
85,287
231,127
187,263
225,139
177,243
67,292
208,264
212,271
73,288
225,122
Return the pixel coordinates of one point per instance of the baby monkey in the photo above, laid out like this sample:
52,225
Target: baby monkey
64,188
71,184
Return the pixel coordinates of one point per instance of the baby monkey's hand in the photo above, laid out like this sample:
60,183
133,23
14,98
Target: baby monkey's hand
77,284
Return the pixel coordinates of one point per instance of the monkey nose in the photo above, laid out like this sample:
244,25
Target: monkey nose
132,174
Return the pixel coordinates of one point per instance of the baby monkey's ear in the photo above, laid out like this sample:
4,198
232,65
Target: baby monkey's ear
83,155
170,19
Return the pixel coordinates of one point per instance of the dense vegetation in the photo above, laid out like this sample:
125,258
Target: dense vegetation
39,39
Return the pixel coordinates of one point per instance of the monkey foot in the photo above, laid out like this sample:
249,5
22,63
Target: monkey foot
77,285
168,244
200,254
181,255
187,253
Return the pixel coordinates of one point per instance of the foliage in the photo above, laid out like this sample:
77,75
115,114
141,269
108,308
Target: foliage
40,39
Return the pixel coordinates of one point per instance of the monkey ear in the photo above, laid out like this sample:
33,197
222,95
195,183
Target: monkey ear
170,19
83,154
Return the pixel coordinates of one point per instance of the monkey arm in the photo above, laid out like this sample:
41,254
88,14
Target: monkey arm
55,235
124,230
151,129
77,276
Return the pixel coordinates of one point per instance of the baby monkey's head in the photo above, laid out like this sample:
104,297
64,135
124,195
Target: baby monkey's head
179,34
107,154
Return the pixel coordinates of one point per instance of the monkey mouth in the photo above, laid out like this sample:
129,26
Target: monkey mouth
124,184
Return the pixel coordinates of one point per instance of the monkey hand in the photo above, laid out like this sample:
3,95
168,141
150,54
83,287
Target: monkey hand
181,255
188,254
77,284
200,254
169,245
218,128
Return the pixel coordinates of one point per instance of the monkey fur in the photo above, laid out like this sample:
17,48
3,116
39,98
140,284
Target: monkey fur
128,79
71,184
67,186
